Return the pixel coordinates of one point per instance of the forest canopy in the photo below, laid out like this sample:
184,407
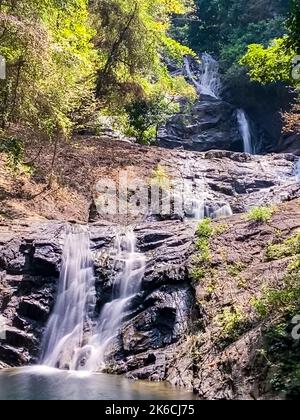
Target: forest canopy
70,61
72,64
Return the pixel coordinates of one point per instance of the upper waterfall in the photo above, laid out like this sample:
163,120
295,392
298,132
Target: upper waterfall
75,303
206,78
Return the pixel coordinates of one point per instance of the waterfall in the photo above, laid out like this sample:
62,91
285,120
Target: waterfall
224,211
130,268
207,79
297,171
201,209
70,340
245,131
198,209
75,303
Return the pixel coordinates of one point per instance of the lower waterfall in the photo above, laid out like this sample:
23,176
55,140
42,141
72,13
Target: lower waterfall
75,304
130,269
72,341
245,131
297,171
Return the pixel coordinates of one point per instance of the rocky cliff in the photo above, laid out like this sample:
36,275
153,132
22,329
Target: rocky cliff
173,328
160,315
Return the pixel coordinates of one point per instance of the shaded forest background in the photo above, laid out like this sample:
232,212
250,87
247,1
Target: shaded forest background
78,65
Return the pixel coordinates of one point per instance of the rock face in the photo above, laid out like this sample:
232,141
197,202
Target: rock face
29,268
210,124
162,313
215,179
251,360
166,334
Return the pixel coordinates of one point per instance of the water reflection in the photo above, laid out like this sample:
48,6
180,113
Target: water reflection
40,383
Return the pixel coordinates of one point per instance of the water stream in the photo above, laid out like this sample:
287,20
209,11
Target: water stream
297,171
73,340
75,303
129,268
207,78
40,383
245,131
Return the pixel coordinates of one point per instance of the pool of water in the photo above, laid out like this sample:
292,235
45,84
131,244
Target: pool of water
39,383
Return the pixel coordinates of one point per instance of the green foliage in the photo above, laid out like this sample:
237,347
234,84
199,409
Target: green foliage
267,65
225,28
14,149
145,116
160,177
50,62
205,231
293,26
281,354
69,60
198,273
260,307
260,214
286,299
220,228
280,350
274,63
132,37
238,41
231,322
288,248
235,269
282,303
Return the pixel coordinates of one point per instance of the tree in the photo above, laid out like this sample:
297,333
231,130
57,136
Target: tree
68,60
268,65
145,116
132,38
226,27
279,62
293,25
50,64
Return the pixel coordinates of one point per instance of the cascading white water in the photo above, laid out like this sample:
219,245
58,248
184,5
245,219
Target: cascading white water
198,209
297,171
222,212
207,79
130,267
64,335
245,131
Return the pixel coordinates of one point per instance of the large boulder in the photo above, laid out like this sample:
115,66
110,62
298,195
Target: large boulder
209,124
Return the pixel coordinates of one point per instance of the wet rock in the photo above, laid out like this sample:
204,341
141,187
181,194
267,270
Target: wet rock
46,259
18,338
214,179
166,319
33,310
13,356
28,286
210,124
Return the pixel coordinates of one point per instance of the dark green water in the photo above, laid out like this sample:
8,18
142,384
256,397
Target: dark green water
39,383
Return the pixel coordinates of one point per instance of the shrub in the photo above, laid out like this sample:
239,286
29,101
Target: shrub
260,214
235,269
204,233
232,323
288,248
